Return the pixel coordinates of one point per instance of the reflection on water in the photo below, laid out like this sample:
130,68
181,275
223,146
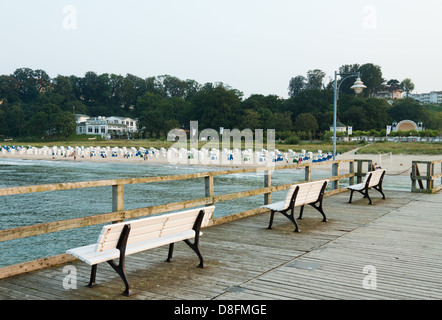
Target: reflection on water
29,209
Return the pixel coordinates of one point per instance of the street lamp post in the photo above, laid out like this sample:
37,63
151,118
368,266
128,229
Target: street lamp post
358,87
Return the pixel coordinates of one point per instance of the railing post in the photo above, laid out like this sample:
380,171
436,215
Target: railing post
351,169
359,173
308,173
413,176
118,198
430,174
267,184
209,188
335,172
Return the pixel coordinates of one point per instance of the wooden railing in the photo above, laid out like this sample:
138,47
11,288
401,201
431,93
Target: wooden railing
118,213
430,177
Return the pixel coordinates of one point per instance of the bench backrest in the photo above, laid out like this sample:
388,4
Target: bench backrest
152,227
308,193
375,177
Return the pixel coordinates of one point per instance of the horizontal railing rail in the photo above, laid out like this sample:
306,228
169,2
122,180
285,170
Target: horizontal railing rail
119,214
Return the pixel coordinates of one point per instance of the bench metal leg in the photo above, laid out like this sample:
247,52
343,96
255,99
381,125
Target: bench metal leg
195,248
120,269
319,208
364,194
288,216
369,199
379,189
291,217
93,276
272,215
301,212
169,256
351,195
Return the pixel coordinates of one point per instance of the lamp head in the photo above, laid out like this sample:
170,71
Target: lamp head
359,86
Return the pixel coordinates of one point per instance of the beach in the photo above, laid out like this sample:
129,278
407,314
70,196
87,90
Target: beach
395,164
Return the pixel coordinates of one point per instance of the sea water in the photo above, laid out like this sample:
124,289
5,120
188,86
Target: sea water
36,208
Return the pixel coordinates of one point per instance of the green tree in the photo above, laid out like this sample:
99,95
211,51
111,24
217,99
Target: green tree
133,87
409,109
281,121
4,130
371,75
95,89
393,83
64,124
38,124
63,87
9,89
363,114
27,85
250,119
407,86
317,102
315,79
306,122
173,87
15,120
217,105
296,85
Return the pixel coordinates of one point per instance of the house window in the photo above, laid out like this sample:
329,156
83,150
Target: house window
89,129
97,129
103,129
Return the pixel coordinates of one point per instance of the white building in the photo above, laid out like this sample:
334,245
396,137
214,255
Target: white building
105,126
431,97
389,93
130,123
340,127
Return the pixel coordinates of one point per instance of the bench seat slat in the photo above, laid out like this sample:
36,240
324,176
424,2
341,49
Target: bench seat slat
148,232
176,237
277,206
151,227
359,186
90,256
375,176
133,239
153,220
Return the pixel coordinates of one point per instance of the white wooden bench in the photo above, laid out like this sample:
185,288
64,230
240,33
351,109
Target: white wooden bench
373,179
299,195
122,239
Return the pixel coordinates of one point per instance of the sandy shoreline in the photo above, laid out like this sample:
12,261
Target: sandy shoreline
395,164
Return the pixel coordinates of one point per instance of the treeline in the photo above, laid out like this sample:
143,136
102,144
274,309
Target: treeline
32,104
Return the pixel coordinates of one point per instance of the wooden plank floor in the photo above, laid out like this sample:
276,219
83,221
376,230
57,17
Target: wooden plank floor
400,238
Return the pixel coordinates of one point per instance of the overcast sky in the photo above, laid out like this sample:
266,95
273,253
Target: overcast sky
255,46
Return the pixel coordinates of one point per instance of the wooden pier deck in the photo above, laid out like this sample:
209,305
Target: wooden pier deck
399,238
